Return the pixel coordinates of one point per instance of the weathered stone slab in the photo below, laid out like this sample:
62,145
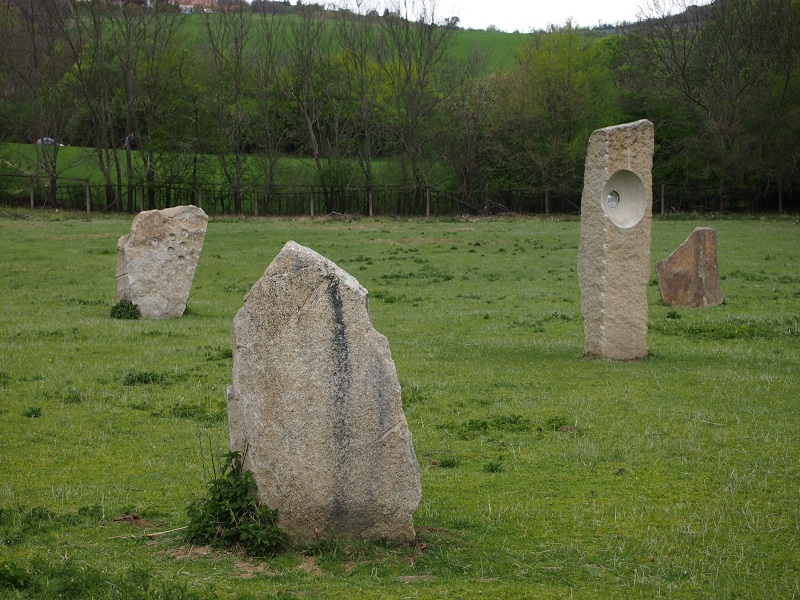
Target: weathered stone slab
315,406
689,277
157,260
614,253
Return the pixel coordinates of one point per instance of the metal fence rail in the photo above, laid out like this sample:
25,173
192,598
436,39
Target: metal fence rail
287,200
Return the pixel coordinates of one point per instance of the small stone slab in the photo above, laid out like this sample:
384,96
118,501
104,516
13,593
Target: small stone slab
315,406
157,260
689,277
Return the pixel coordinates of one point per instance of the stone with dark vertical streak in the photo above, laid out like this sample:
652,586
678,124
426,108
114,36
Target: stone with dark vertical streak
315,406
689,277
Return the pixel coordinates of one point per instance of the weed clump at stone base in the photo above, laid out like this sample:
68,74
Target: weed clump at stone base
125,309
230,515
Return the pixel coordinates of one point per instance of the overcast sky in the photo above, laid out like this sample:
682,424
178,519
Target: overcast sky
524,15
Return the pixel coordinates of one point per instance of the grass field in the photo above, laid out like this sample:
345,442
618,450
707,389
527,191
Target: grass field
544,475
76,163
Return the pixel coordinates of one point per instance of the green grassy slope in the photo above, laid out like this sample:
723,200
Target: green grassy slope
499,45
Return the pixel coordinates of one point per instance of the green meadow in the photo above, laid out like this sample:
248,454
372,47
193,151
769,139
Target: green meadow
544,475
78,165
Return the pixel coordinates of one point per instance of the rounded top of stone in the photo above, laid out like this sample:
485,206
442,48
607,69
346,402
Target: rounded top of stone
641,123
177,211
303,257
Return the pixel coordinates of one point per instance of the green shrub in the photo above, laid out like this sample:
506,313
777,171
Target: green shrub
72,395
136,377
125,309
449,462
230,515
13,576
494,466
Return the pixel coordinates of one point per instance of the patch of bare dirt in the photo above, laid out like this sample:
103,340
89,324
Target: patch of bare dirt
246,570
310,566
439,531
192,552
134,520
349,566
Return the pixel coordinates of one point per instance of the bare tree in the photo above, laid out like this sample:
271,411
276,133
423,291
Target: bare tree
465,114
230,81
268,56
416,51
34,63
144,42
92,80
730,65
362,45
157,92
315,87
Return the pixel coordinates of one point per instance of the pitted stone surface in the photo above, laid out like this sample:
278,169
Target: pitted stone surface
614,253
315,406
689,277
157,260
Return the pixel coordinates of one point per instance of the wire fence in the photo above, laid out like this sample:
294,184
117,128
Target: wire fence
293,201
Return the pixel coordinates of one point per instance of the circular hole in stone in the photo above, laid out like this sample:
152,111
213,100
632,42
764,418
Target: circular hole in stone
170,249
180,257
183,245
624,199
172,237
185,233
154,241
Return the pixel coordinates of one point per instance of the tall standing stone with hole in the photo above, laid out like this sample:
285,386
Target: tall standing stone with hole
157,260
614,254
315,407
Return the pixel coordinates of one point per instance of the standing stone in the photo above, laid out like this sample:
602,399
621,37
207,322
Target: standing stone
689,277
315,406
614,254
156,261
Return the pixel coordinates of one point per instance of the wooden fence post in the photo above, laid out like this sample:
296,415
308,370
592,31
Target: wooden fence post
31,192
88,198
312,203
427,202
200,197
663,203
255,202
